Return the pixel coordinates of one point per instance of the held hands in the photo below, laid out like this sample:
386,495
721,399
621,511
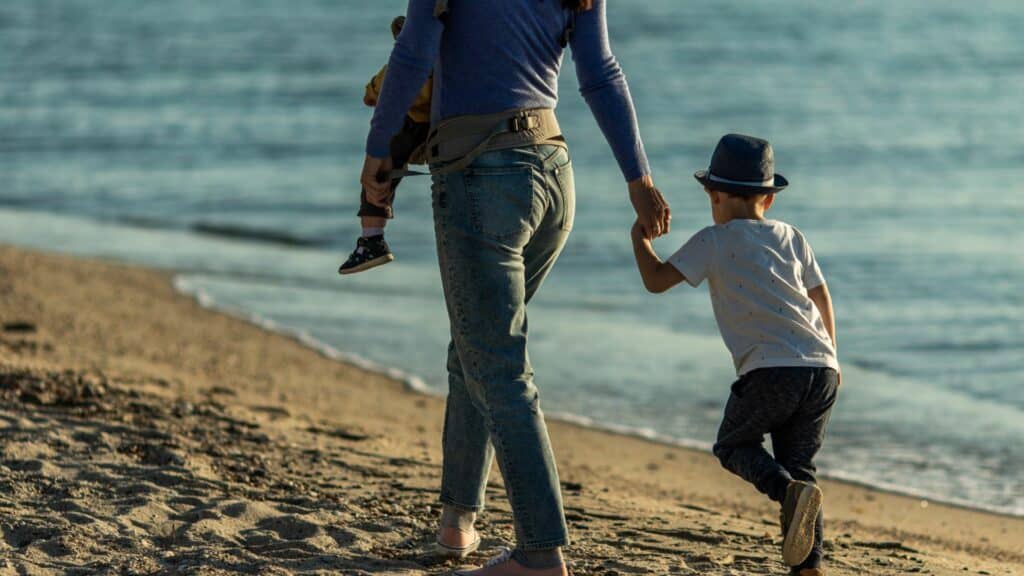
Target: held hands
637,233
652,212
375,181
658,276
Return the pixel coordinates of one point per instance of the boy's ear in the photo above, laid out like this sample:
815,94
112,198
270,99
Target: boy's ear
768,200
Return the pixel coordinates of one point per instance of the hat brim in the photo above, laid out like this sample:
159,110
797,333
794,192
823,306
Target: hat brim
779,185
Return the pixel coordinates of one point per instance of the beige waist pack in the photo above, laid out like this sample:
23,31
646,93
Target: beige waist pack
455,143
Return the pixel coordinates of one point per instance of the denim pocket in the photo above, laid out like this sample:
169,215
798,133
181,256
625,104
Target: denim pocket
504,202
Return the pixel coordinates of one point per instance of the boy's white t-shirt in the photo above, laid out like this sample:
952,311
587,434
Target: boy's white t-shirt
759,272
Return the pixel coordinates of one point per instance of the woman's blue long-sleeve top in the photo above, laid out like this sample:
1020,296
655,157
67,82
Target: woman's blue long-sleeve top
494,55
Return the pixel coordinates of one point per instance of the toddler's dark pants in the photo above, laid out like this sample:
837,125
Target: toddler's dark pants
403,145
791,404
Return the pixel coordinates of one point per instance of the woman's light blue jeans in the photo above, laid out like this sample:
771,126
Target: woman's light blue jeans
500,224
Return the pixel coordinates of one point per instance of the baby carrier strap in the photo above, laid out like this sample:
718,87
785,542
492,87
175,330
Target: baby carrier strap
455,143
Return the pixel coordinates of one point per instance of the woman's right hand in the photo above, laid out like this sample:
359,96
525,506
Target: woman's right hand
652,210
375,181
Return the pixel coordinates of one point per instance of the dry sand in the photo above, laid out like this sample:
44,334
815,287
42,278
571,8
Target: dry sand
140,433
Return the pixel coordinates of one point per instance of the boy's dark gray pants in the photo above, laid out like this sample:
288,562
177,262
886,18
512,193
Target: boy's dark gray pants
791,404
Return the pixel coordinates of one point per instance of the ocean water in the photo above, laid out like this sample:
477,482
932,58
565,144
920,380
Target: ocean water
224,140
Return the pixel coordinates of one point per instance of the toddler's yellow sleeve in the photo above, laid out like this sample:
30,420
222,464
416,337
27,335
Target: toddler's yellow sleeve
420,110
373,88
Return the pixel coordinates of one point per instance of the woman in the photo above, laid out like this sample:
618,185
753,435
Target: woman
504,201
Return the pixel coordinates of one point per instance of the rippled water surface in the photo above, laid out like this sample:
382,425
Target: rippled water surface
224,139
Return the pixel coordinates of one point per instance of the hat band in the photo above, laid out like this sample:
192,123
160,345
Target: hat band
769,183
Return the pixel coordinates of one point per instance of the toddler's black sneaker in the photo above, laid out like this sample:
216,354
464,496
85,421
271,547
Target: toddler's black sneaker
369,253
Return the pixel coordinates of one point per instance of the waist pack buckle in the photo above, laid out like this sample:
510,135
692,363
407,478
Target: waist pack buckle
523,123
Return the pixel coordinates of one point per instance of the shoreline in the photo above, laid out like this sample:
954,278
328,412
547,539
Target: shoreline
412,382
416,385
362,448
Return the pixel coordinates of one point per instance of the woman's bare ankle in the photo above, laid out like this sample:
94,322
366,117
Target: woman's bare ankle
453,517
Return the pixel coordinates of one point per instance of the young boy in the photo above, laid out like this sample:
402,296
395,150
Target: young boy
775,315
371,249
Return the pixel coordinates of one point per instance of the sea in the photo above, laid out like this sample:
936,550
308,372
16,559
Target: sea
223,141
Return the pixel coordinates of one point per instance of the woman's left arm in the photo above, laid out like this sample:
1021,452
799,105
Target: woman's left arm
604,87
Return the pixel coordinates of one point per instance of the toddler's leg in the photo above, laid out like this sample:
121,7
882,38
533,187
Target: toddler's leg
798,440
371,249
372,226
759,403
373,218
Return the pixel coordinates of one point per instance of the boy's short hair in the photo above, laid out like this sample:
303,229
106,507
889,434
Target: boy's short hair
735,195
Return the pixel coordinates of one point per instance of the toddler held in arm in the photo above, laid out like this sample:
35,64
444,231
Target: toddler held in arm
371,249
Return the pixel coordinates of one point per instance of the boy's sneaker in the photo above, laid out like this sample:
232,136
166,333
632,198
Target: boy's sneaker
369,253
808,572
799,511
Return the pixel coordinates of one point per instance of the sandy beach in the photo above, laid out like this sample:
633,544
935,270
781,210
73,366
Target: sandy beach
141,433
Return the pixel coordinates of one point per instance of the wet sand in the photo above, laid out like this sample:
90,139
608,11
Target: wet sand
141,433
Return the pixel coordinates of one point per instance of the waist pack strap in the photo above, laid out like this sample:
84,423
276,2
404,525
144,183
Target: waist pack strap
404,173
457,142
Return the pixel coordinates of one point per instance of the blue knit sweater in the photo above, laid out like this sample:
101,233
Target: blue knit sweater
494,55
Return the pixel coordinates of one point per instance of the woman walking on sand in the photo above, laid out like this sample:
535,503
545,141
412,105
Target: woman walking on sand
503,199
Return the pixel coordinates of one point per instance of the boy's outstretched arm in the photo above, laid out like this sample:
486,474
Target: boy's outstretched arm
823,301
658,276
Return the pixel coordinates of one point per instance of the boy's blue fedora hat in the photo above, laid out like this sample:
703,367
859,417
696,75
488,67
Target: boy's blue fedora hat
742,165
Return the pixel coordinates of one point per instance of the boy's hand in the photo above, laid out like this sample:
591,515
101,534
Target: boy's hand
376,182
369,101
657,276
637,232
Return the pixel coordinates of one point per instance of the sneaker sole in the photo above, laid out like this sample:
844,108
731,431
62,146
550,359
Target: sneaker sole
367,265
450,553
800,536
